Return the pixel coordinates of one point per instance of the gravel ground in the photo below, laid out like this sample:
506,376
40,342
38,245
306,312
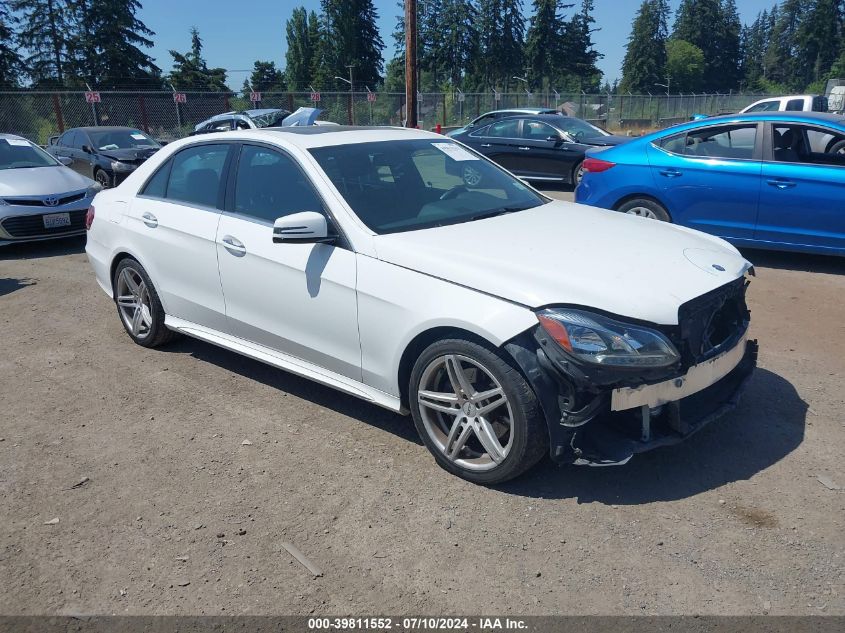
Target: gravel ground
166,482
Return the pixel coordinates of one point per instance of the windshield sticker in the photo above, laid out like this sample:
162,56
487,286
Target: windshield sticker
18,141
139,137
455,152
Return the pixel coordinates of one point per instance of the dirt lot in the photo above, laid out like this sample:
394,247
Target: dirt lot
178,516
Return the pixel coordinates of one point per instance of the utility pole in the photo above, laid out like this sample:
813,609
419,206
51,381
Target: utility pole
410,63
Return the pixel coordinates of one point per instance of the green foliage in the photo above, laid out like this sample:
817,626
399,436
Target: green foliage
349,36
191,72
11,64
44,29
684,64
266,77
303,35
105,49
645,60
501,33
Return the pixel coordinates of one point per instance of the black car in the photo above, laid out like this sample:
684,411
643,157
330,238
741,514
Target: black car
547,147
106,154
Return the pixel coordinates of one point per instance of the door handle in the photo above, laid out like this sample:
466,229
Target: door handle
150,220
671,173
524,149
233,245
781,184
486,145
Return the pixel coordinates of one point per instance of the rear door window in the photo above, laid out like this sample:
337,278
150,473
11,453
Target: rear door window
196,175
732,141
504,129
795,105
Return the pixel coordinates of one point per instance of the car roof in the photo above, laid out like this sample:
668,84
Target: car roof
520,111
550,118
5,135
308,137
102,128
806,117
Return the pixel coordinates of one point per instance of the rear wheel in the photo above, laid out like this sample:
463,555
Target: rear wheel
645,208
475,412
138,305
578,174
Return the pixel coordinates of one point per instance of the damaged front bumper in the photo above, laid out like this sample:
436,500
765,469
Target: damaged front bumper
602,417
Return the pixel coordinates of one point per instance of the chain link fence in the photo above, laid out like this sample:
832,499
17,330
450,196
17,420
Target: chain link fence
38,115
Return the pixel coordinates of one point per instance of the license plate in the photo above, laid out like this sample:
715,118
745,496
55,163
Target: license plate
56,220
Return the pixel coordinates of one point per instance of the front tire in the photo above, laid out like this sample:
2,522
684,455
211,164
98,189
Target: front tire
475,412
645,208
102,177
138,305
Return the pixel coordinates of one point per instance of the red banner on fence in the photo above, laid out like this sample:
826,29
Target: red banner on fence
315,96
371,96
180,97
92,97
254,96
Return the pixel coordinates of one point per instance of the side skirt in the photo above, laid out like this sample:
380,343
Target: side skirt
286,362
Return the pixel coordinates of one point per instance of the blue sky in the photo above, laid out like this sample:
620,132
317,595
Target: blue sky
234,36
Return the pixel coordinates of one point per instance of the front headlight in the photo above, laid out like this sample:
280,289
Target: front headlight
116,165
597,339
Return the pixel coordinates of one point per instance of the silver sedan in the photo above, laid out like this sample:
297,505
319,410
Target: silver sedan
40,198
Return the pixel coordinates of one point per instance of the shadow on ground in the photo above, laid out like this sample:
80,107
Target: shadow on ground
802,262
766,427
46,248
9,285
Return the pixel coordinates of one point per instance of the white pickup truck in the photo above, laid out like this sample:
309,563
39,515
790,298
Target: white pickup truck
792,103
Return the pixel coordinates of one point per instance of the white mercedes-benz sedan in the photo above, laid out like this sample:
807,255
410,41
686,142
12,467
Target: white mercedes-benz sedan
403,268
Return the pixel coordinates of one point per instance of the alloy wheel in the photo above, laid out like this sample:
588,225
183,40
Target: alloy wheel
643,212
133,301
103,178
466,412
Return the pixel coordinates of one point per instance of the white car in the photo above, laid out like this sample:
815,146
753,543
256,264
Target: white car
791,103
400,267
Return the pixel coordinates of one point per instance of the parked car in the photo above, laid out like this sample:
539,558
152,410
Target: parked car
106,154
246,120
495,115
40,198
400,267
793,103
772,180
542,147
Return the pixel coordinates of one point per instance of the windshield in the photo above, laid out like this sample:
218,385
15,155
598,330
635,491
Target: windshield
18,153
579,129
398,186
121,139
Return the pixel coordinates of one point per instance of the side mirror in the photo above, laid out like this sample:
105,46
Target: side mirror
87,149
554,139
306,227
64,160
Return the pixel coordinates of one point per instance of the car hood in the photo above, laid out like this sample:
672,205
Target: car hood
565,253
605,141
41,181
130,153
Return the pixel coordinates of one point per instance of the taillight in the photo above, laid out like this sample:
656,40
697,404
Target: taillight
596,165
89,218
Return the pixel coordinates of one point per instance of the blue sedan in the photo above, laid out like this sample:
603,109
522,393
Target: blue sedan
771,180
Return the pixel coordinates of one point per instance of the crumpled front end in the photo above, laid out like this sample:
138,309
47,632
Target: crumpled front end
604,415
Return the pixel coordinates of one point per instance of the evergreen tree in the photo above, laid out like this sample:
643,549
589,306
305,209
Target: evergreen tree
577,47
11,65
501,29
782,64
684,64
818,41
350,36
106,49
44,25
755,40
704,23
191,72
543,43
645,60
266,77
459,43
302,38
726,73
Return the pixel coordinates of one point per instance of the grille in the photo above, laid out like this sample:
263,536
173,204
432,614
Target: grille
711,323
33,225
40,203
